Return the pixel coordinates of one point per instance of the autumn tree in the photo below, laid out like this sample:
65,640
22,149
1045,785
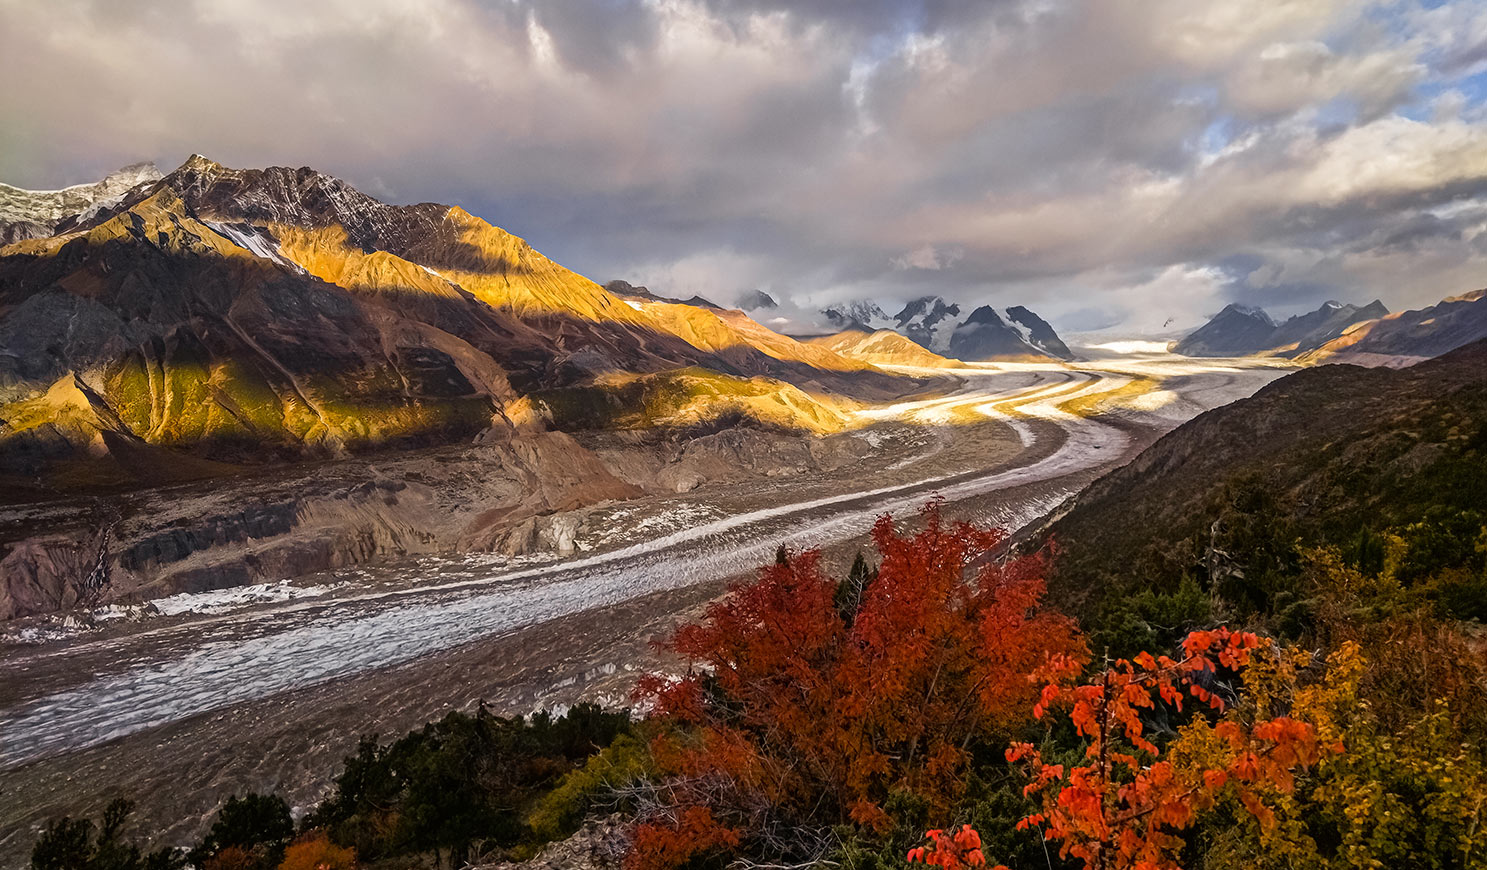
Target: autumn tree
315,851
1409,796
950,850
1127,804
810,701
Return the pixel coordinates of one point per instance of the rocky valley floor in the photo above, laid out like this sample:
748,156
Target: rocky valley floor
266,686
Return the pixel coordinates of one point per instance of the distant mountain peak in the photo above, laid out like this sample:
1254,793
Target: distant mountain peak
35,214
985,334
984,315
857,314
1253,311
934,324
757,300
1241,330
201,163
1039,332
930,321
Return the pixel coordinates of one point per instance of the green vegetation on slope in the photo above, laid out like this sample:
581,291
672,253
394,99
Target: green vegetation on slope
1221,516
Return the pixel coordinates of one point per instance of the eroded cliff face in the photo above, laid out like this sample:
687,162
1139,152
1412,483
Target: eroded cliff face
513,495
499,496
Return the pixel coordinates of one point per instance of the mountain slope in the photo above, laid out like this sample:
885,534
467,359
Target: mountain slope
860,314
1235,331
929,322
1038,333
881,347
251,314
1409,336
1239,330
189,339
1305,332
1319,455
757,300
986,336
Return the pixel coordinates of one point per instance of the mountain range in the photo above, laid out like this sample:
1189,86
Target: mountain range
1406,337
177,358
1367,335
934,324
1239,330
237,315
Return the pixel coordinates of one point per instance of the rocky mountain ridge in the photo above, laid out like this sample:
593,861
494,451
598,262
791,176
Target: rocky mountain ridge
934,324
1240,330
35,214
1406,337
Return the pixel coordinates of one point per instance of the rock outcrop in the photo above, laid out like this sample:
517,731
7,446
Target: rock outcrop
506,496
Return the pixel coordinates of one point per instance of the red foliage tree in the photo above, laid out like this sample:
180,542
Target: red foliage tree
1123,808
960,849
808,702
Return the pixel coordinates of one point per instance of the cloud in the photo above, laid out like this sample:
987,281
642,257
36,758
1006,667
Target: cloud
929,257
1093,160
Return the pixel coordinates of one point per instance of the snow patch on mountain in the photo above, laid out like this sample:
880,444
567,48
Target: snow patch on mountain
255,241
36,213
864,314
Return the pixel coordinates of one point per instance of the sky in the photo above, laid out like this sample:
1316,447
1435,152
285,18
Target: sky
1127,166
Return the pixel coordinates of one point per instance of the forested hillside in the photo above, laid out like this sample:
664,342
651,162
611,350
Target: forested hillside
1388,466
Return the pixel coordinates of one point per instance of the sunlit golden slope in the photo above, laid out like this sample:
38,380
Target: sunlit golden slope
689,397
155,328
883,347
337,234
160,218
726,333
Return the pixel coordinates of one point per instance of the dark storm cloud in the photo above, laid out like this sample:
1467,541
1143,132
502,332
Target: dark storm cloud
1113,163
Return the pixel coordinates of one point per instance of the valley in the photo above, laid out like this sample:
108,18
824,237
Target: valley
266,687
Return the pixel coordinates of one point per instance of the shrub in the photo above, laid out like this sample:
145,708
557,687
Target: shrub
257,826
316,852
75,844
457,783
809,706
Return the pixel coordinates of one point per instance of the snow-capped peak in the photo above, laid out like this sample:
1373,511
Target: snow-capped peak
44,210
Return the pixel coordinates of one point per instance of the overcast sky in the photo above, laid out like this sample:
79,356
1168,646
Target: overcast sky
1110,164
